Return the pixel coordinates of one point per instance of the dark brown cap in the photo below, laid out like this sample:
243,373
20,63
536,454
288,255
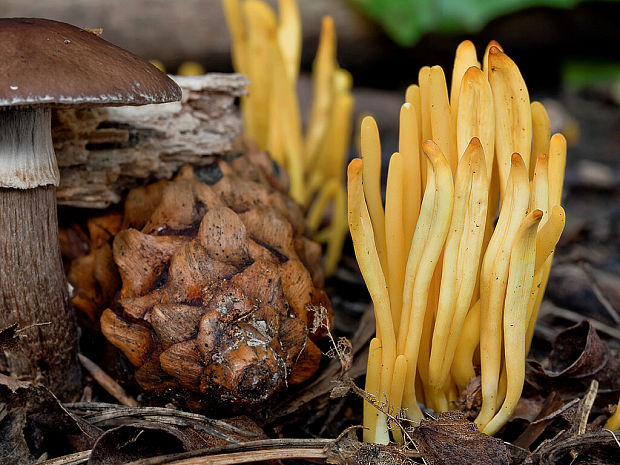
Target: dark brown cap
48,62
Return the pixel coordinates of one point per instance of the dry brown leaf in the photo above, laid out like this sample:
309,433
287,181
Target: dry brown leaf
452,440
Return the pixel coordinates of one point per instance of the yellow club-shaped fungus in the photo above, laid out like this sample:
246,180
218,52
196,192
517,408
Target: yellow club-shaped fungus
457,259
613,422
267,48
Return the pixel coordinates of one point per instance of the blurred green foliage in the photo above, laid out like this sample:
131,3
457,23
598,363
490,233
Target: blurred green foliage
578,74
406,20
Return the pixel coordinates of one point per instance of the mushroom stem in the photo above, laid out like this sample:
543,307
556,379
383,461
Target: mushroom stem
33,288
27,158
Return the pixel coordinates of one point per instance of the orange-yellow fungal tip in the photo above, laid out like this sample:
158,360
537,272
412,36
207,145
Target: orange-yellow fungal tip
327,22
495,51
465,45
536,215
516,160
474,144
431,148
485,60
465,58
355,167
473,74
368,122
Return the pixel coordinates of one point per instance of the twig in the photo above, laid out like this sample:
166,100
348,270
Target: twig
551,451
34,325
397,418
583,412
585,407
614,435
607,305
112,415
545,332
577,317
107,383
72,459
268,449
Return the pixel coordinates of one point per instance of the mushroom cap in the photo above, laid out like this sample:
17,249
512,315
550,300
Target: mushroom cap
53,63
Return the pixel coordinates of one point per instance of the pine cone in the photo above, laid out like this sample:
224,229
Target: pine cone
220,289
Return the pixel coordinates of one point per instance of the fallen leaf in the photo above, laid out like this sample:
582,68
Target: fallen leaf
32,421
452,440
578,357
141,440
155,432
578,352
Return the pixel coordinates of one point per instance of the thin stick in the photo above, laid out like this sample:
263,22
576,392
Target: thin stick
577,317
586,407
72,459
107,383
607,305
462,256
266,449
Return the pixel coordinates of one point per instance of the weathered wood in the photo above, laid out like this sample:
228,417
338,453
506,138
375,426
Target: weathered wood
34,293
103,152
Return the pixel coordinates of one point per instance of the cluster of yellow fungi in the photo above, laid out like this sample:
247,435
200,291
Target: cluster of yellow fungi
451,288
267,49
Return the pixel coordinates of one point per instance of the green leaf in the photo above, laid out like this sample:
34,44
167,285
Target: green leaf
406,20
578,74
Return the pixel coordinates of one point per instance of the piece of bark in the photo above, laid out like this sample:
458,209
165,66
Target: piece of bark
103,152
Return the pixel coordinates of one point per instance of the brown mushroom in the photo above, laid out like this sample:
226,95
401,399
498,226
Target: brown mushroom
49,64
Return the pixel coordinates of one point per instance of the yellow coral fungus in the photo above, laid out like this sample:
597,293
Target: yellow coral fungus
446,281
267,49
